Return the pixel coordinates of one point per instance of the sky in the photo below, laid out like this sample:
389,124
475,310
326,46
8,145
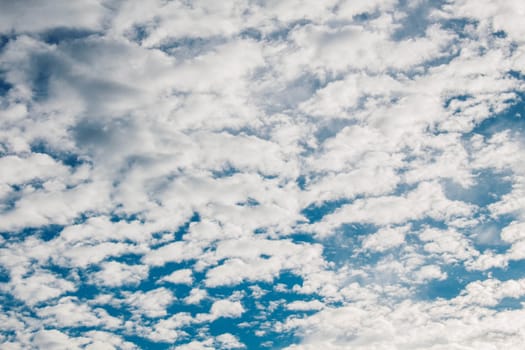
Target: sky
262,174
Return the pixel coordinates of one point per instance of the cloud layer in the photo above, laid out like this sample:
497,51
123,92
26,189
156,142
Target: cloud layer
262,174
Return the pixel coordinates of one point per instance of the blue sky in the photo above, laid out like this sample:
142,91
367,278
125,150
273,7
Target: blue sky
262,174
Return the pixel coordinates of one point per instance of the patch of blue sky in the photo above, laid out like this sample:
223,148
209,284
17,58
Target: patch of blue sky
249,202
124,217
509,304
4,40
8,334
403,187
333,126
67,158
500,34
9,303
282,33
251,33
420,224
129,258
362,258
138,33
260,231
301,182
225,171
487,235
156,273
301,237
362,18
12,197
514,270
87,291
366,16
90,132
44,233
315,212
445,58
60,35
45,67
461,98
260,315
517,75
5,86
297,91
183,229
340,247
459,26
186,48
512,118
67,272
417,18
457,278
4,275
83,217
489,187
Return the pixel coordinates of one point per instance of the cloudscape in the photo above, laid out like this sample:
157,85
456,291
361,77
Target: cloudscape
262,174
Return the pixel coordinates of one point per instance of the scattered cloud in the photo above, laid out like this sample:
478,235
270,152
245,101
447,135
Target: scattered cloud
262,174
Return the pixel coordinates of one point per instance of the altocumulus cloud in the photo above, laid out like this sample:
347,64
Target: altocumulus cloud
262,174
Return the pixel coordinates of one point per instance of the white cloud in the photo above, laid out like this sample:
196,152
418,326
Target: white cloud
38,16
196,345
152,303
305,305
258,259
449,245
173,252
386,238
513,234
69,313
114,274
38,287
430,272
183,276
502,16
427,200
54,339
416,325
39,208
83,255
229,341
226,308
490,291
196,296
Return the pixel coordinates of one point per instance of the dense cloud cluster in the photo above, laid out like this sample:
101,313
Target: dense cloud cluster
340,174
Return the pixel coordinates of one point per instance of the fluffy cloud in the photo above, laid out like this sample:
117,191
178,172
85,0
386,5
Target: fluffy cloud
179,277
115,274
226,308
150,304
